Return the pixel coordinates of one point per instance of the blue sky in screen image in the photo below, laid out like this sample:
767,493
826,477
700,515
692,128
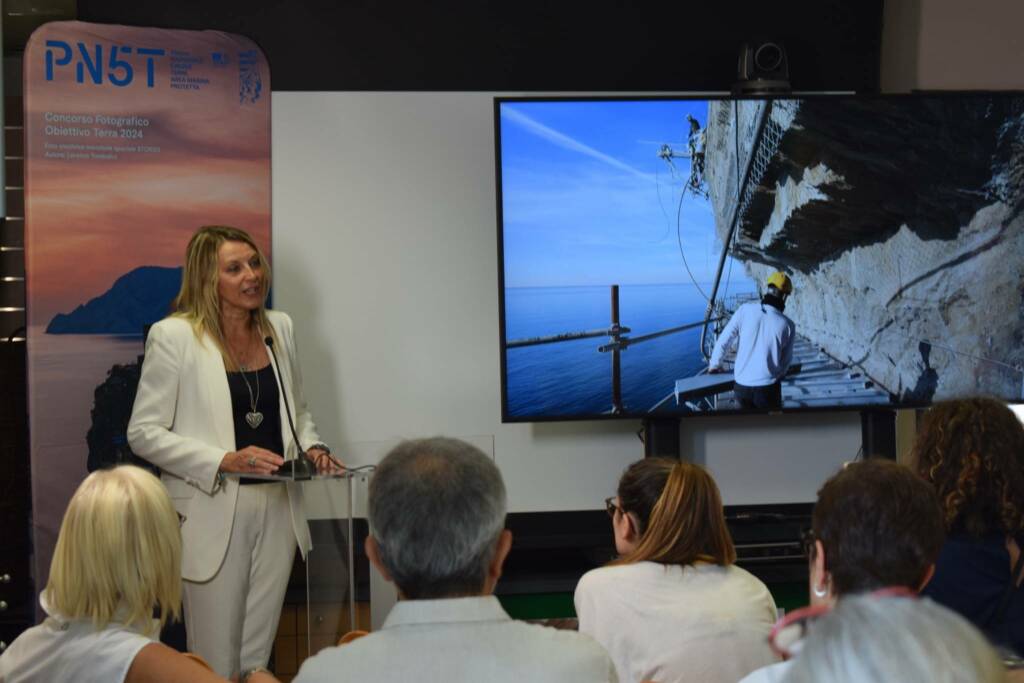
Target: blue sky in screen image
587,200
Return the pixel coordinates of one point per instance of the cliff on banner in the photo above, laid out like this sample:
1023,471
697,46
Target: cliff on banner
138,298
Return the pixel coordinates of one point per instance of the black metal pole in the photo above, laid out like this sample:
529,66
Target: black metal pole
616,362
878,433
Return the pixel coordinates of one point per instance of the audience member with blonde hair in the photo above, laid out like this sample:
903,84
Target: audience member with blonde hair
674,607
871,638
972,452
118,557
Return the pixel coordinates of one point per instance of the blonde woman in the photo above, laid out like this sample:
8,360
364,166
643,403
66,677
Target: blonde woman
117,558
674,607
211,402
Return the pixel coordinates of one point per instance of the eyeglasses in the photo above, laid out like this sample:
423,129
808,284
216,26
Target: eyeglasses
791,629
807,539
611,507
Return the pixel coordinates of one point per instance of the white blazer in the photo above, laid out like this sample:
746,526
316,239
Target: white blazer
182,423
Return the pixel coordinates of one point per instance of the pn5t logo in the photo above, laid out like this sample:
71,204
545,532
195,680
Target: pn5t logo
97,62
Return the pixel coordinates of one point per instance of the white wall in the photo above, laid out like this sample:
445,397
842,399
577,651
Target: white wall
952,45
385,254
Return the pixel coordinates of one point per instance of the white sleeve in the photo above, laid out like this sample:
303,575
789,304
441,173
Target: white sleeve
613,676
584,603
149,430
787,350
725,340
768,674
592,610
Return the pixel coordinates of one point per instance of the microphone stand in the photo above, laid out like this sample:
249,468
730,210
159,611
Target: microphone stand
301,468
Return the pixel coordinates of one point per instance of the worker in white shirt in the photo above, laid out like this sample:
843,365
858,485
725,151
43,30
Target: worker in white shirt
763,337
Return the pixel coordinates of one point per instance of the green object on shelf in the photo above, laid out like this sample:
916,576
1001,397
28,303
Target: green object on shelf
788,596
539,606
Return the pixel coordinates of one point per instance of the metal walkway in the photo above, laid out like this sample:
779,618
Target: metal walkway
822,382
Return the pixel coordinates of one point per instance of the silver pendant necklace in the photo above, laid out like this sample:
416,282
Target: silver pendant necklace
254,417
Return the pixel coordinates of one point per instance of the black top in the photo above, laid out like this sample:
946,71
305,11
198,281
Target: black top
263,385
971,577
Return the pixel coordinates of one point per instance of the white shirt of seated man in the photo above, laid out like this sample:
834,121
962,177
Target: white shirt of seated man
448,627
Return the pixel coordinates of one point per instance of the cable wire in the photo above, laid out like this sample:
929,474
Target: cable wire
679,240
661,203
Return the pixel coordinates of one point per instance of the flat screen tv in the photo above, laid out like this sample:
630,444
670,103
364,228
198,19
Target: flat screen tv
631,231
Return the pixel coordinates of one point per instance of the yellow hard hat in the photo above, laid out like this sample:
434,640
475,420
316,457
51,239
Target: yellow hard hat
781,282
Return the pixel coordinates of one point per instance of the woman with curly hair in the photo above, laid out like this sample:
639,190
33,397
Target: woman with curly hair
972,452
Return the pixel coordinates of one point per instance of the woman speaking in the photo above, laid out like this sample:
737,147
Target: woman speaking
210,402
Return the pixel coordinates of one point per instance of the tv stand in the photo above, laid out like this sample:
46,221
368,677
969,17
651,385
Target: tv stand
878,433
661,437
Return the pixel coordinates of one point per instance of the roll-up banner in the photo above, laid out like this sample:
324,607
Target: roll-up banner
134,137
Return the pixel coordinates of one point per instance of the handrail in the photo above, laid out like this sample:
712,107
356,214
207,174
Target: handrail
563,337
589,334
618,343
626,342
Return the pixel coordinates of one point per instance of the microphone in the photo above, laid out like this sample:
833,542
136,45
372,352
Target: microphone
302,468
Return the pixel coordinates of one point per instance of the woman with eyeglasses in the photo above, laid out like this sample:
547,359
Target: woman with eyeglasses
118,557
876,529
674,606
972,452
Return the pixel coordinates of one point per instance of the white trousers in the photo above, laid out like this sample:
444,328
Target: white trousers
232,618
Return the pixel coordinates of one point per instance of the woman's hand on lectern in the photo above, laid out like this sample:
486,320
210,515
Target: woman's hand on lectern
251,460
324,461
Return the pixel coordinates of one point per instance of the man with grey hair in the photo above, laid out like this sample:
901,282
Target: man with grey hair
437,518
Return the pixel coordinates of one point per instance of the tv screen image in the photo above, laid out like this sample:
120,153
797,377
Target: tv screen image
632,231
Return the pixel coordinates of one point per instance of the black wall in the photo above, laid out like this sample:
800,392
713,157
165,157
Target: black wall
602,45
17,597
